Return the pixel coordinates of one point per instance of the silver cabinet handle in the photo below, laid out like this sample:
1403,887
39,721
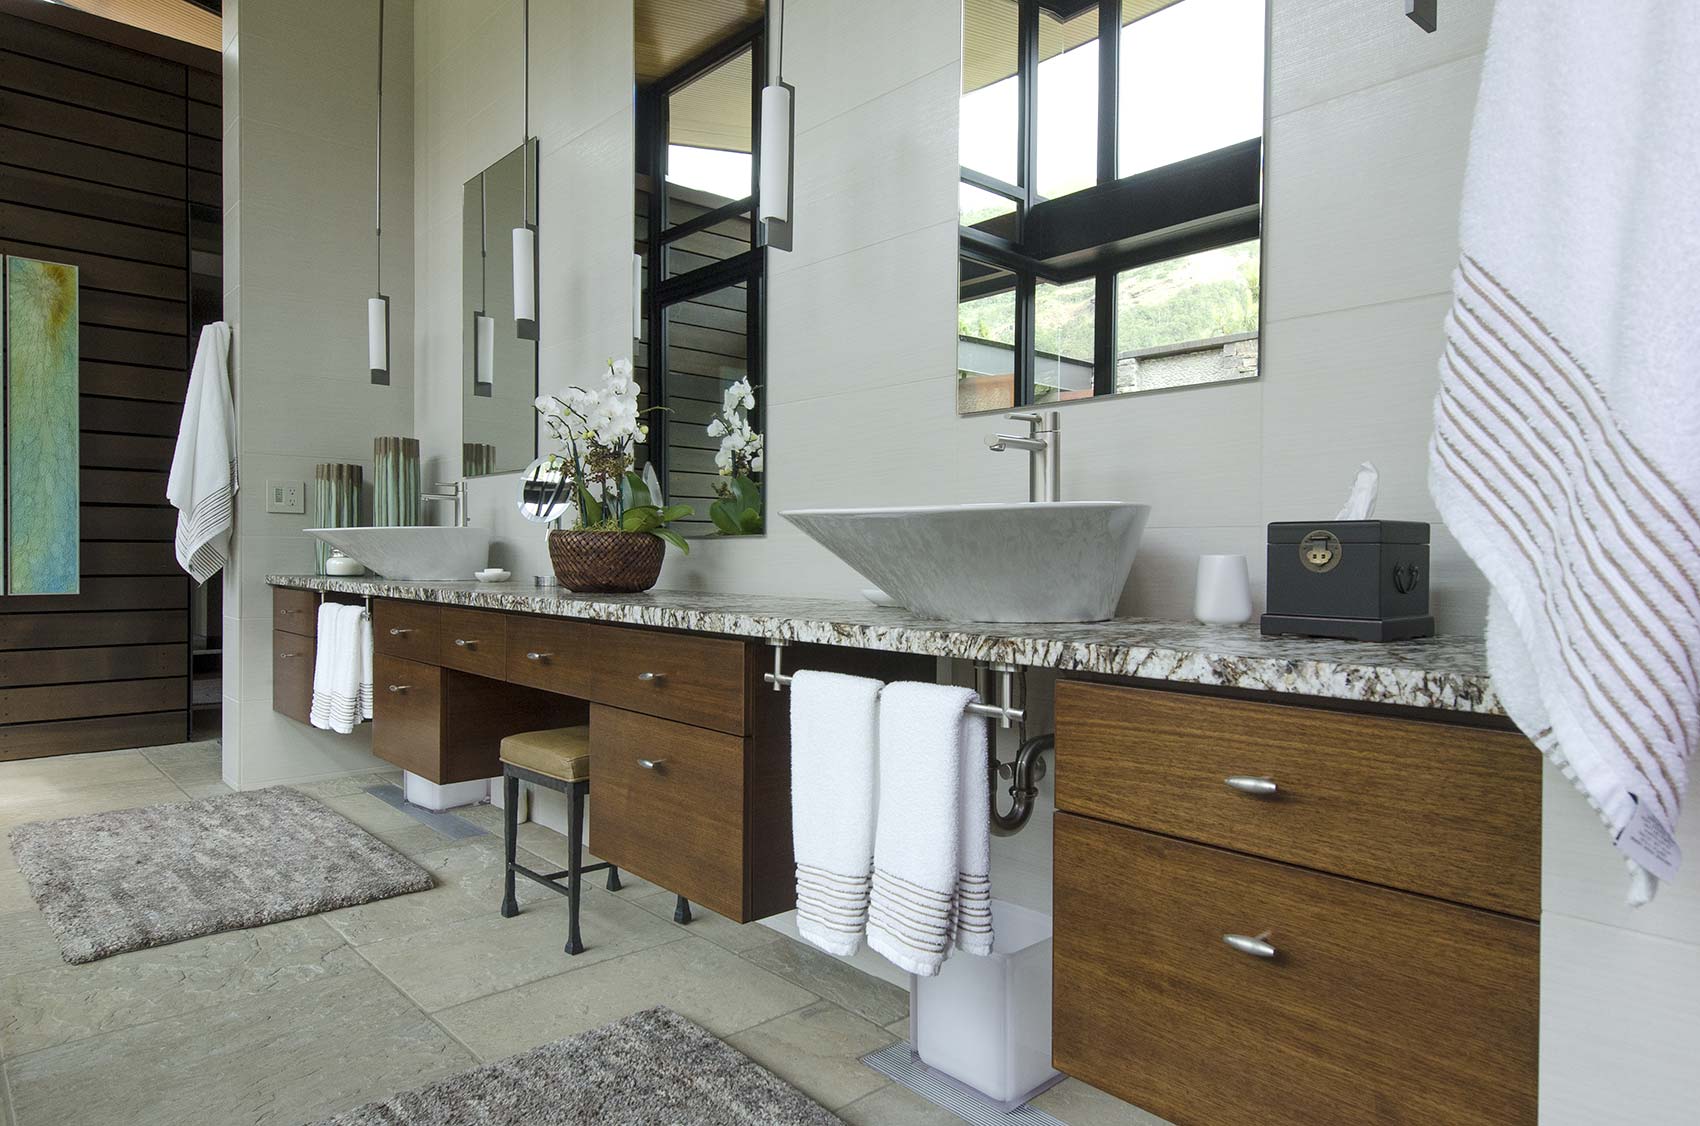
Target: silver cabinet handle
650,677
399,632
1246,944
1248,785
400,687
538,656
287,656
650,763
465,644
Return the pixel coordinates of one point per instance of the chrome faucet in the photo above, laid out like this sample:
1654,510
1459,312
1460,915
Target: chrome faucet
457,494
1043,443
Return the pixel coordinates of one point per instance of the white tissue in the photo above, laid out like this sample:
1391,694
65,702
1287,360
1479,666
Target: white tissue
1360,502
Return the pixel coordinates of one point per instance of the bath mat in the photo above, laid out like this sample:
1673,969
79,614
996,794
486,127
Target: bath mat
651,1067
135,878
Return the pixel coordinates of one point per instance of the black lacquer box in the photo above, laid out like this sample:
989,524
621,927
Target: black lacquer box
1361,580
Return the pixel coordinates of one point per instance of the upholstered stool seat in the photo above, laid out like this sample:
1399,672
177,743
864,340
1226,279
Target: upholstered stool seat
563,753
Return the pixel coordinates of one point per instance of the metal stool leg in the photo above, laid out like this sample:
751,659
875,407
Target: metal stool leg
682,911
575,860
510,839
613,878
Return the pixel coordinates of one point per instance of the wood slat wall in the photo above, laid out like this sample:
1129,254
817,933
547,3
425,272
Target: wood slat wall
110,160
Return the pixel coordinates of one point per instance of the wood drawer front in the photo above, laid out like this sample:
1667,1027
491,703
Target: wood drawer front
680,824
1379,1006
407,714
292,674
695,680
1447,811
473,641
405,629
295,611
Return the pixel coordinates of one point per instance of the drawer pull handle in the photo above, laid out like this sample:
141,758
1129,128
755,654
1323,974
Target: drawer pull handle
289,610
465,644
400,687
1246,944
538,656
287,656
651,763
650,677
398,632
1247,785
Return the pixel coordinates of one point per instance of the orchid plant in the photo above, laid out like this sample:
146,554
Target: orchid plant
739,460
598,429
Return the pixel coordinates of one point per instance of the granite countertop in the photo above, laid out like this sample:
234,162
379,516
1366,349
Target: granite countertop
1446,673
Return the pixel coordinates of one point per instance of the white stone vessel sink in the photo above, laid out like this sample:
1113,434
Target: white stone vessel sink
1060,562
413,553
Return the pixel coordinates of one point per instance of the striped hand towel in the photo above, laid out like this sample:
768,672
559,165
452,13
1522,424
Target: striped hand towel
931,885
834,727
1564,455
337,669
202,483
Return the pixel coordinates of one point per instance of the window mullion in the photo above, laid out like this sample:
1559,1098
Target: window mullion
1109,85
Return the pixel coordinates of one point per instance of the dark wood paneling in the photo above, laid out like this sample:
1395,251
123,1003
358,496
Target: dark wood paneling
1378,1007
108,522
127,451
123,486
65,631
73,736
61,44
164,385
137,592
125,416
204,86
122,346
96,236
128,310
78,701
89,90
206,121
1427,807
113,662
102,166
119,558
35,188
117,275
206,154
91,127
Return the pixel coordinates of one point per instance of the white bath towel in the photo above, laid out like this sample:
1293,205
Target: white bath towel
203,483
931,883
338,667
834,767
1566,452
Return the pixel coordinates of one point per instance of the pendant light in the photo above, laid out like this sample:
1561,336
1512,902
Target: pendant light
525,235
778,128
378,308
483,325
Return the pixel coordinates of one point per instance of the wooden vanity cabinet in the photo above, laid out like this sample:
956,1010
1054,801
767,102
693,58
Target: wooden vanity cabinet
1389,994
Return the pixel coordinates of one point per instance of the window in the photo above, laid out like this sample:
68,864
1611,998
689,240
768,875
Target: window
703,266
1111,196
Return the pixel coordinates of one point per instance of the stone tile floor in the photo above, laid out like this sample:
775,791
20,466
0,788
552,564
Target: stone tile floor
287,1023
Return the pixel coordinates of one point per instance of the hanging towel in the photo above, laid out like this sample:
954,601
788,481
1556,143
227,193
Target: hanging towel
931,882
1567,426
338,668
834,766
202,484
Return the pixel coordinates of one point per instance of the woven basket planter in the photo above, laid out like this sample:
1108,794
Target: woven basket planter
606,562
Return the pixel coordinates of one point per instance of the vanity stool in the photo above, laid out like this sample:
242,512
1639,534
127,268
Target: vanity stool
557,760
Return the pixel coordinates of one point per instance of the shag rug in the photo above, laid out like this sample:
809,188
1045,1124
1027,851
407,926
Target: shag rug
134,878
654,1067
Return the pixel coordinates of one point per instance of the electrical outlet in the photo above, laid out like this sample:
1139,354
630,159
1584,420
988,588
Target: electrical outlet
286,497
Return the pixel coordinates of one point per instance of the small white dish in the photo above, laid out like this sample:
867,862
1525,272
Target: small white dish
878,597
492,575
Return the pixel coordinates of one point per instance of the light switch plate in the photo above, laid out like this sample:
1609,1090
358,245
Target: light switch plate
286,497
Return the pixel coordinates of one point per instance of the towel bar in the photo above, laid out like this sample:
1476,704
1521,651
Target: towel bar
365,610
1003,711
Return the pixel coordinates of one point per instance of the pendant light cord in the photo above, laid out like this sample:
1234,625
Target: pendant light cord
378,177
525,120
779,40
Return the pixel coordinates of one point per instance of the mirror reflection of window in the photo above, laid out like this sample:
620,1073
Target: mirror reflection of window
708,139
1114,191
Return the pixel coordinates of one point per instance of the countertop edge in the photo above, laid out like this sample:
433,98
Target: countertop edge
1367,682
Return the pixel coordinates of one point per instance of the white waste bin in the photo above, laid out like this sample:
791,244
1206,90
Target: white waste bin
985,1022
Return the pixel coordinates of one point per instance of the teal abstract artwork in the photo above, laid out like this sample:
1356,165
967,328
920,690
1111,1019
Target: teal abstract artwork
42,491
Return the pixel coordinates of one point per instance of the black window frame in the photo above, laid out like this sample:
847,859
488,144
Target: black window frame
749,268
1199,203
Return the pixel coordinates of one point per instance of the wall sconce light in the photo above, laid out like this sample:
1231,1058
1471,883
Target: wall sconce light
778,129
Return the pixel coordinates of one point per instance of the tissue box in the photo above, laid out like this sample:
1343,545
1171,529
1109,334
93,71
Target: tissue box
1361,580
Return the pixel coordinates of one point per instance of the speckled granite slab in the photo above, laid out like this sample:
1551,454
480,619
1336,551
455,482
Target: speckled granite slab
1448,673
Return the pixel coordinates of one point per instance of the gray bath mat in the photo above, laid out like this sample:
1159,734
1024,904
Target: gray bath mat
652,1067
134,878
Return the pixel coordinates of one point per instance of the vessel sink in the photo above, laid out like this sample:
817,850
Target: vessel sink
1065,561
413,553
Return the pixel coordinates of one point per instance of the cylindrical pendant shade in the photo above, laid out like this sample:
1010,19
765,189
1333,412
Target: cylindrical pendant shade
484,361
378,337
525,281
775,183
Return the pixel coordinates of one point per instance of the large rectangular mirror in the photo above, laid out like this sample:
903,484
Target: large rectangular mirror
498,365
700,68
1111,158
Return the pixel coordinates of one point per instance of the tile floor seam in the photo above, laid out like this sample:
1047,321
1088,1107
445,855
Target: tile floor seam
563,973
